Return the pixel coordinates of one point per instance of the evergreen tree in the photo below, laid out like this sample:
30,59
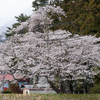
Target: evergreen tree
38,3
85,16
20,18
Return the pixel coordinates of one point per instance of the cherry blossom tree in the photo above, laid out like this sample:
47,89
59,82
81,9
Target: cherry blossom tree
12,57
70,60
76,62
40,18
63,58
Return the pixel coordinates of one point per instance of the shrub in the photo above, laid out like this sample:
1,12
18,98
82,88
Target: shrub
14,87
7,91
95,89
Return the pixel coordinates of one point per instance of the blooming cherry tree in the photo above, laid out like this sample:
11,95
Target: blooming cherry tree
12,55
71,59
63,58
43,16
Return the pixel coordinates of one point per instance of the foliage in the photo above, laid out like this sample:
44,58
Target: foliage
21,18
37,3
95,89
85,16
7,91
14,87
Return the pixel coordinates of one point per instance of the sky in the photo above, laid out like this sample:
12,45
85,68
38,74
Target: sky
11,8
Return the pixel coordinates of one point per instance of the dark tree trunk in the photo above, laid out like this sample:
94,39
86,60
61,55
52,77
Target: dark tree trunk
53,87
65,87
70,87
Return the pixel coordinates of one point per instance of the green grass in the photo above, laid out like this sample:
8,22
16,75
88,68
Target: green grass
51,97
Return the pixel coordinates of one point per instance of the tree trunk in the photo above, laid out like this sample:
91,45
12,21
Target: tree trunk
65,87
53,87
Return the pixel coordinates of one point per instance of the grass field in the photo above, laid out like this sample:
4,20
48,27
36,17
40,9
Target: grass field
51,97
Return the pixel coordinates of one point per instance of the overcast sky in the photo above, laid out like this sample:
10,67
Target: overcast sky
11,8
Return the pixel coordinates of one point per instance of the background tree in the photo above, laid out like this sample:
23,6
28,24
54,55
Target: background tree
37,3
85,16
21,18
